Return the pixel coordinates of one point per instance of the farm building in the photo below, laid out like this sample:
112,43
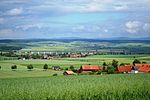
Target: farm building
88,68
56,67
144,68
68,72
134,68
73,55
125,68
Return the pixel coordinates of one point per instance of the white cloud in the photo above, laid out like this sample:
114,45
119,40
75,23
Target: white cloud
105,30
6,33
15,11
146,27
133,26
28,26
1,20
120,7
86,28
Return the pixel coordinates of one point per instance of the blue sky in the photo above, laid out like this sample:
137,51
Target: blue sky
23,19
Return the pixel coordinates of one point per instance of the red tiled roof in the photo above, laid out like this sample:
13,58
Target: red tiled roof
138,65
145,68
90,67
126,68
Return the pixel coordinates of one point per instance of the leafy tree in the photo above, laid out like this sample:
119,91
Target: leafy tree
0,67
115,63
104,64
136,61
72,67
66,68
13,67
45,67
144,62
110,70
30,67
122,64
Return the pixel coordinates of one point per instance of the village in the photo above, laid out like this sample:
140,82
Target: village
95,69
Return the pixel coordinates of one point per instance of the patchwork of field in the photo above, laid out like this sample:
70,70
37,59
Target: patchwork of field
80,87
64,63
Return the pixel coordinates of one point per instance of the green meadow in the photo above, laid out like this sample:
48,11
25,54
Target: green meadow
64,63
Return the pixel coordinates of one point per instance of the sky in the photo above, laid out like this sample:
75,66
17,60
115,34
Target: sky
25,19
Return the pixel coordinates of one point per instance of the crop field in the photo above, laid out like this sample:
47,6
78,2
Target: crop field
82,87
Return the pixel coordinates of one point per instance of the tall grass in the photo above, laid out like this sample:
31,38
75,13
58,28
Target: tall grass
107,87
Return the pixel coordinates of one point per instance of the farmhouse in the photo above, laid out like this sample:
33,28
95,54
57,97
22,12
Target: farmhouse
125,68
68,72
144,68
134,68
88,68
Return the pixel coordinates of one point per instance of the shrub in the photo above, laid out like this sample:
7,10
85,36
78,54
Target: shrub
13,67
99,72
110,70
72,67
45,67
55,74
30,67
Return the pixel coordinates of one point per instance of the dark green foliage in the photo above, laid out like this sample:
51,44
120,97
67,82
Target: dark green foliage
45,67
66,68
30,67
122,64
13,67
55,74
110,70
99,72
104,64
136,61
115,63
144,62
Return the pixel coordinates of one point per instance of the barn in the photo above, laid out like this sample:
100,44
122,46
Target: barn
125,68
88,68
68,72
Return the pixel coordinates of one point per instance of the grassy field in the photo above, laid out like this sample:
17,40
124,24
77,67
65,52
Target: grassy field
63,63
88,87
38,84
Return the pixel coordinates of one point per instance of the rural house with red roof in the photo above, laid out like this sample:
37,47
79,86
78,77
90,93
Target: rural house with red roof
134,68
88,68
125,68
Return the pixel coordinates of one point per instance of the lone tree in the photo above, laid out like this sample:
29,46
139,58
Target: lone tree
136,61
114,63
30,67
13,67
72,67
104,64
45,67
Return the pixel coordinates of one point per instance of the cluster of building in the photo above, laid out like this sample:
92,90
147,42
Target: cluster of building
137,68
